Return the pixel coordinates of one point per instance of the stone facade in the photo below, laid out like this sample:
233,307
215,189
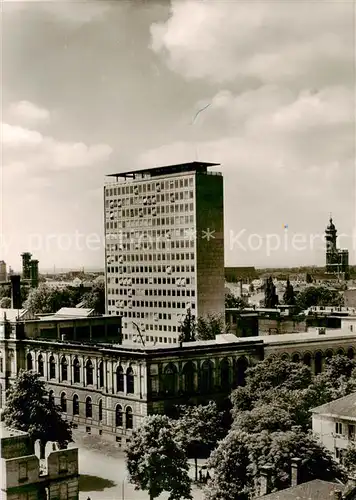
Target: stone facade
25,477
108,389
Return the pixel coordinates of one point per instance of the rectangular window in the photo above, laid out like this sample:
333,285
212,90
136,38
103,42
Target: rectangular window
351,432
338,427
23,471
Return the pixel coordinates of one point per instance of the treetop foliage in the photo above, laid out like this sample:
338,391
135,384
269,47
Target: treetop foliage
29,409
156,461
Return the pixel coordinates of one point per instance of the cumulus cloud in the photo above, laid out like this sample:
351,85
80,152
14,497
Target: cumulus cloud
225,41
43,152
27,113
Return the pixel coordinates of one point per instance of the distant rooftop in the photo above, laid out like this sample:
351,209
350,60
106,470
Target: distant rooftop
70,312
342,407
312,490
12,314
196,166
6,432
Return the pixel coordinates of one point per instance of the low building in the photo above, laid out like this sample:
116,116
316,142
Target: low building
262,321
25,476
334,424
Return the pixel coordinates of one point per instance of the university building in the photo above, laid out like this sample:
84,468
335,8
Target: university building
164,230
107,388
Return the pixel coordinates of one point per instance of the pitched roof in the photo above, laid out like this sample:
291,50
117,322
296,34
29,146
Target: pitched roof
342,407
312,490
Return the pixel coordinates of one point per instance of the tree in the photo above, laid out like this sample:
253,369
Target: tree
28,408
232,302
349,459
187,328
47,299
318,296
271,298
288,297
209,326
5,303
238,460
95,298
156,461
199,428
277,450
230,462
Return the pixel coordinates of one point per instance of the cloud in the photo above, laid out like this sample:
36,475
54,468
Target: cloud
227,41
26,112
73,12
46,153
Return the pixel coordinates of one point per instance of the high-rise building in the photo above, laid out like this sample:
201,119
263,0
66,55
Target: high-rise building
26,265
3,273
337,261
164,233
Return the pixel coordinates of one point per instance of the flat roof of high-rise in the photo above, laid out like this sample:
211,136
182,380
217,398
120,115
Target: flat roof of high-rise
196,166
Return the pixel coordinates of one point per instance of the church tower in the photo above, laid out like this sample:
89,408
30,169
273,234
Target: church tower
337,261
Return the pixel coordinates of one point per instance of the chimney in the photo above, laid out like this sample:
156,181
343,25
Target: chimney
265,479
16,302
295,471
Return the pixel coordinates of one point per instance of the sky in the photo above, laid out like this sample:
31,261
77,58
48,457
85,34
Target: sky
91,88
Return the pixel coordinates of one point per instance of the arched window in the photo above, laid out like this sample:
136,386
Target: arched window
75,405
170,379
295,358
350,353
329,354
88,408
225,375
206,376
119,379
188,377
89,372
129,418
130,384
241,367
29,361
40,365
51,397
307,359
340,352
118,416
100,410
76,370
101,374
318,362
52,367
64,402
64,368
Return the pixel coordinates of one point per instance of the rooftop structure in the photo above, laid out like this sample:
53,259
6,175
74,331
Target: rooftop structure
148,173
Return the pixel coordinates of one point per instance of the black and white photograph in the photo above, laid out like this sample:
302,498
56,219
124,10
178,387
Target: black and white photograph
178,250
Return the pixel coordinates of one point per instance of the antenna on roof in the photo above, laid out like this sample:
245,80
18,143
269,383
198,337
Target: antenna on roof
192,123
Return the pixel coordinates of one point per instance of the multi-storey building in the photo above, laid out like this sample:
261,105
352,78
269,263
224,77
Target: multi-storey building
3,273
107,388
25,476
334,424
164,230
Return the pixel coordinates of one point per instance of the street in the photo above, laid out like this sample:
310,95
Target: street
103,473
